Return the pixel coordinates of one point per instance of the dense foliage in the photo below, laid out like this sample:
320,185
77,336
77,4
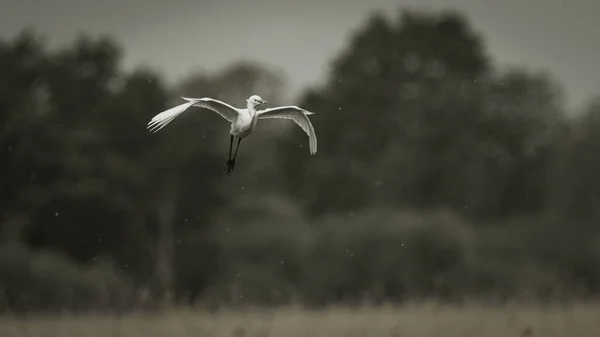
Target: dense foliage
437,176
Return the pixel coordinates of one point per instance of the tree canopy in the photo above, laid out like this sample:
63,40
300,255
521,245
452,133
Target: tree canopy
437,175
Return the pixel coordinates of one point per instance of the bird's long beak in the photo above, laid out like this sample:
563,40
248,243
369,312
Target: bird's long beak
263,102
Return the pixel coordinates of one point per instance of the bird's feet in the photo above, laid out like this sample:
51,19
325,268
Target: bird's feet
229,166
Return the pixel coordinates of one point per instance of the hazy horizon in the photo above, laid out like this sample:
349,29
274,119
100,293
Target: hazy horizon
301,38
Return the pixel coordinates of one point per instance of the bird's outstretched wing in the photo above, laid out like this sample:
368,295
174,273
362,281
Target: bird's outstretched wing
299,116
162,119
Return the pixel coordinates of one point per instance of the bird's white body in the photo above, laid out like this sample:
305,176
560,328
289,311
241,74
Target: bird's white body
243,121
244,124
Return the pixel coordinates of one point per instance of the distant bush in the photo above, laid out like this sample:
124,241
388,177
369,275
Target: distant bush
279,257
386,255
258,249
43,280
265,252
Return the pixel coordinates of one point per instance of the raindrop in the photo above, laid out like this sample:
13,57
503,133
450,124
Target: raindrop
227,229
55,213
126,266
242,188
9,148
178,242
282,262
99,240
377,182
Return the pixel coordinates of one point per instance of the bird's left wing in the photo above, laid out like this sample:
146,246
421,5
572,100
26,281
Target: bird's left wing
298,115
225,110
162,119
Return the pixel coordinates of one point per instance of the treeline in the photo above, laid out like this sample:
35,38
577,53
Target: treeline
438,175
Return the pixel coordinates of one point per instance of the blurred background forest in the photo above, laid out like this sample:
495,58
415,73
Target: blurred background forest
439,175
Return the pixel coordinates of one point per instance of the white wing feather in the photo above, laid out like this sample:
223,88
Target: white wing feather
225,110
299,116
162,119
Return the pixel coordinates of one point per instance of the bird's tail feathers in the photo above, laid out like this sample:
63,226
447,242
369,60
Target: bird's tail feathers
162,119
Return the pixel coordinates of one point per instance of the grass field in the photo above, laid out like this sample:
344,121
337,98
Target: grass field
430,320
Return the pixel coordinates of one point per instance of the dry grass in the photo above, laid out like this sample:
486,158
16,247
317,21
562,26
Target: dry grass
414,321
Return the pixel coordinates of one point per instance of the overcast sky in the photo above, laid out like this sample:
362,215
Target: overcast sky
300,37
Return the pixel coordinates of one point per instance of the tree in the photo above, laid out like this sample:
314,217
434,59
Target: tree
22,113
523,120
391,107
573,179
67,183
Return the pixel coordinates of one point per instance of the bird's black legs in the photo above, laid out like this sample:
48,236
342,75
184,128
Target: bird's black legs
236,149
230,146
229,165
231,161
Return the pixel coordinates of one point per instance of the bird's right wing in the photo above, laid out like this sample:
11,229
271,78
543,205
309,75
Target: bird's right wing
299,116
162,119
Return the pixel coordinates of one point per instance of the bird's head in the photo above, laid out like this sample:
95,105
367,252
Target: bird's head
255,101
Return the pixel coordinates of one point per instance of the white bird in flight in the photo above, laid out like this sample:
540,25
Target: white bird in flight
242,121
